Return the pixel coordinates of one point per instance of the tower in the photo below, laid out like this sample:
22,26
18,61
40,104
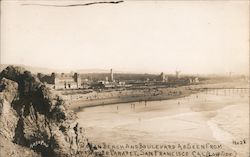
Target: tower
111,76
164,78
230,74
77,79
53,77
177,74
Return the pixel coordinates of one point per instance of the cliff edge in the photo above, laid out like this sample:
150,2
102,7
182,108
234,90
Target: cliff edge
35,122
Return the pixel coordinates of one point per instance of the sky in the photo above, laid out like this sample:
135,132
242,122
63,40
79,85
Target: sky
195,37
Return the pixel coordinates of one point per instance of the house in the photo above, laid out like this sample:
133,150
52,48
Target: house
62,81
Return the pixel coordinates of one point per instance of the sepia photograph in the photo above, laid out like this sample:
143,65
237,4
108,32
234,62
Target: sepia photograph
124,78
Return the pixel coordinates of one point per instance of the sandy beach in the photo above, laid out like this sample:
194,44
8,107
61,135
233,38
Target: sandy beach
79,99
114,97
180,117
199,118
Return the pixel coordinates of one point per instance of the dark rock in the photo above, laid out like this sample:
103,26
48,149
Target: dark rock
38,119
8,116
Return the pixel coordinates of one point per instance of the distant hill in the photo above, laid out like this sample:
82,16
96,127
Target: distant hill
43,70
34,69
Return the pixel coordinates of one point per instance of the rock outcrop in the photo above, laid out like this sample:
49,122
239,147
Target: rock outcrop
35,121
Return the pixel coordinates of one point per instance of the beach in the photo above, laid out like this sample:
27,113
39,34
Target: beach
79,99
201,118
210,119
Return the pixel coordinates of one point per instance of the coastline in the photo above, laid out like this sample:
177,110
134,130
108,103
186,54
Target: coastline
127,96
109,97
78,105
202,118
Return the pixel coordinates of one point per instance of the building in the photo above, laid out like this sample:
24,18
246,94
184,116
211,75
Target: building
67,81
62,81
194,80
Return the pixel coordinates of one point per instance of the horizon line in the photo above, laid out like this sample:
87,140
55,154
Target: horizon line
100,70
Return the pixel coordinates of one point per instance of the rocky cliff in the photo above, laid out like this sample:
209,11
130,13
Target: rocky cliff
35,122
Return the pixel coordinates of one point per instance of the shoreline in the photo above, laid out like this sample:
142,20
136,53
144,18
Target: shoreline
78,105
129,126
109,97
111,102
